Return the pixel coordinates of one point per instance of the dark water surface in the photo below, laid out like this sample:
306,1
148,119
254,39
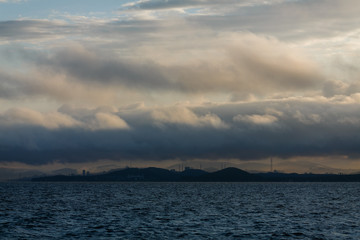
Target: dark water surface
180,210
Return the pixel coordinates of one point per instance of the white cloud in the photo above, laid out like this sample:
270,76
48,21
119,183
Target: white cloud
184,116
57,120
256,119
107,121
28,117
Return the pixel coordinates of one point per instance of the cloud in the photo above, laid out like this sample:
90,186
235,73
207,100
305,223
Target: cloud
28,117
184,116
286,19
96,120
108,121
247,131
256,119
292,20
20,30
332,88
37,84
137,22
160,4
99,58
289,67
310,119
266,68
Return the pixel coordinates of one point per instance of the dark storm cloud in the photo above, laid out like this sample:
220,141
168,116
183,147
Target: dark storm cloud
246,131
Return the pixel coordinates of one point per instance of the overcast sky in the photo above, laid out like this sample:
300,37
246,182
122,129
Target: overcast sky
83,81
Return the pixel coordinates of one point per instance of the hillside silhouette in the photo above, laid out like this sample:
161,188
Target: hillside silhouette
230,174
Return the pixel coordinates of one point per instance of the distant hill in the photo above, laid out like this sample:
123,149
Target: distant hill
150,174
231,174
140,174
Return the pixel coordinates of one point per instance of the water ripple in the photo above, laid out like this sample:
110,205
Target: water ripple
179,210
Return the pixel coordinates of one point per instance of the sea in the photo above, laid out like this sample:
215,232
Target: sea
143,210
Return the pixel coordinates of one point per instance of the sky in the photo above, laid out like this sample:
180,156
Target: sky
85,83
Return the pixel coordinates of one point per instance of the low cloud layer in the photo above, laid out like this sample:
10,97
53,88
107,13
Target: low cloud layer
97,120
283,129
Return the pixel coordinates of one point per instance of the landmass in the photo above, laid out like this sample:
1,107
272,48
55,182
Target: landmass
230,174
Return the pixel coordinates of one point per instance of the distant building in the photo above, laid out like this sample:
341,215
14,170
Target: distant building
84,172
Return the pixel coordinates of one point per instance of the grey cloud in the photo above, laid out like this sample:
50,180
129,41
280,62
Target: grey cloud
333,88
48,30
80,64
14,86
7,87
291,20
84,65
162,4
256,130
32,29
42,84
151,5
243,70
